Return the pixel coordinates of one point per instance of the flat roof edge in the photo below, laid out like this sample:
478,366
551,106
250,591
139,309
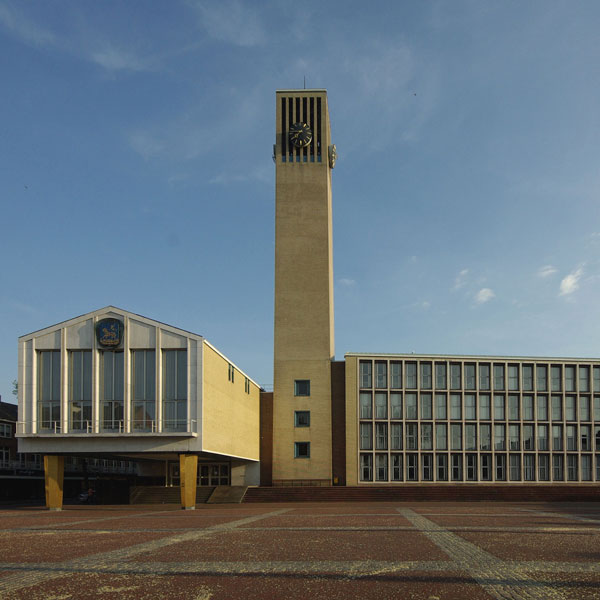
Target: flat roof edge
473,356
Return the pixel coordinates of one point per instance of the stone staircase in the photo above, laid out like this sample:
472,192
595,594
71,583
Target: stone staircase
159,494
428,493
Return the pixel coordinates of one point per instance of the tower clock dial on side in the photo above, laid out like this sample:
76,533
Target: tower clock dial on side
300,135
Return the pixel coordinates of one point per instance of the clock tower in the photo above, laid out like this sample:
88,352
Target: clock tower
304,346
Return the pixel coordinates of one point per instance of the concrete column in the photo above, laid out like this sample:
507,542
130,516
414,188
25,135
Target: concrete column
54,470
188,469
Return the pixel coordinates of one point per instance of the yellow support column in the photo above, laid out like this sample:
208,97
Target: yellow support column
54,471
188,472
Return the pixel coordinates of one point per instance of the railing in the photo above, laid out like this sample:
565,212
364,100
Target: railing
115,426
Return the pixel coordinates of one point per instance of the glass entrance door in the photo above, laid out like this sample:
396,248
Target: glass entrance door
213,474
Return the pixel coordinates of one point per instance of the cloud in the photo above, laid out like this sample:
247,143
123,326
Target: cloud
484,295
346,282
145,144
546,271
461,280
114,59
231,22
571,282
23,28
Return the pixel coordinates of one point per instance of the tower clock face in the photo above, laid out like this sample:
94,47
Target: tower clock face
300,135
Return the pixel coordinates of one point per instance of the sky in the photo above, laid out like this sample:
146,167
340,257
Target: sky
136,169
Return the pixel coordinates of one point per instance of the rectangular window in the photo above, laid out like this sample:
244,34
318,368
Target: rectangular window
440,406
500,467
441,436
584,408
572,467
470,436
529,467
513,407
456,467
542,408
411,436
381,408
396,405
485,436
585,434
426,375
49,390
499,437
442,467
484,407
426,408
427,467
380,374
542,437
596,379
381,467
557,467
542,378
396,436
381,440
80,390
144,393
301,449
455,406
366,467
571,408
557,437
426,436
527,407
513,378
543,467
440,376
597,408
470,407
569,378
411,406
556,377
469,376
484,377
486,467
366,436
395,375
571,437
557,408
514,437
302,387
231,373
499,377
366,405
366,374
411,375
455,436
412,470
396,467
498,408
471,460
528,378
175,392
529,437
455,383
586,467
597,437
302,418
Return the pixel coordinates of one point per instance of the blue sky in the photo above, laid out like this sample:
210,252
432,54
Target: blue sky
135,169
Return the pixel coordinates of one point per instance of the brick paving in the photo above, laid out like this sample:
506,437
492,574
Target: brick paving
429,551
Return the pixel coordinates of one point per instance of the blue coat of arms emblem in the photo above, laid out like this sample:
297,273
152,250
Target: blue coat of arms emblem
109,333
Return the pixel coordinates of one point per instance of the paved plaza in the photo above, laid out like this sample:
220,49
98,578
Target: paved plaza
426,551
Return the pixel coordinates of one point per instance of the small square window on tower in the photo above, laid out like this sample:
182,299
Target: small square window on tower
302,387
302,418
301,449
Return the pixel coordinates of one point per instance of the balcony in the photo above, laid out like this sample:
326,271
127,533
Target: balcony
111,428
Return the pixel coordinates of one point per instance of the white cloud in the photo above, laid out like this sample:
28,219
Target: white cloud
346,282
546,271
145,144
231,22
484,295
571,282
114,59
461,279
23,28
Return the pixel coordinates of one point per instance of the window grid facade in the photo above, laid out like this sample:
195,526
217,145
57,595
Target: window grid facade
478,420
